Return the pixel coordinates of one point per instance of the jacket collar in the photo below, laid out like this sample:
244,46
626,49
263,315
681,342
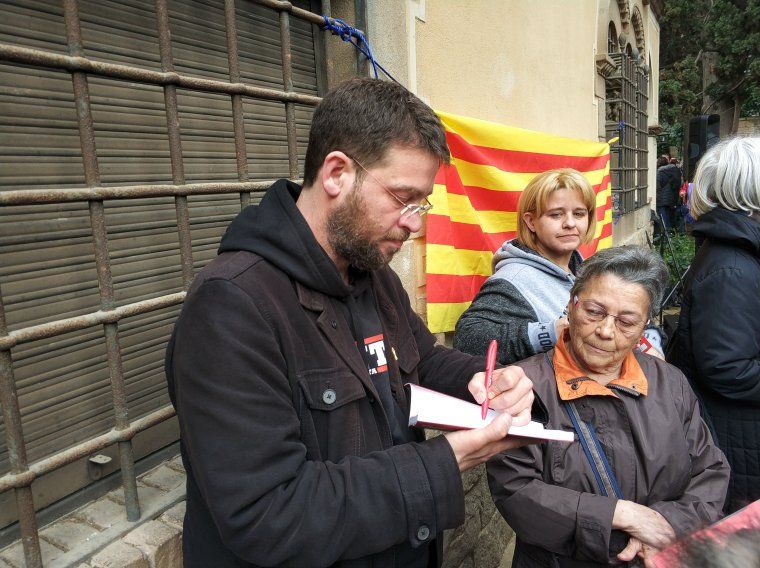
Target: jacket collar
572,382
334,328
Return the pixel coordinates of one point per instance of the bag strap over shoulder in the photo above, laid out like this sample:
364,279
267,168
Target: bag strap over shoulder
605,477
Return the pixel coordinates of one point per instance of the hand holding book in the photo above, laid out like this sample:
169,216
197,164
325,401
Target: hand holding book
431,409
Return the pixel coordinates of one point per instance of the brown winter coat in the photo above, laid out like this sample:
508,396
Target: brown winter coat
656,443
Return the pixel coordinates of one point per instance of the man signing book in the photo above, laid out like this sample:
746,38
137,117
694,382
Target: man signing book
287,363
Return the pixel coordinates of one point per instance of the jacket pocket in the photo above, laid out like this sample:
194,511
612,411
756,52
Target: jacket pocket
407,356
330,389
337,413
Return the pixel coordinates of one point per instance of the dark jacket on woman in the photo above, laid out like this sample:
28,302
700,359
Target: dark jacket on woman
649,427
518,305
717,344
287,441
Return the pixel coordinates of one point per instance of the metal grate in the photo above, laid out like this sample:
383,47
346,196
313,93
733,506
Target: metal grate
626,117
86,71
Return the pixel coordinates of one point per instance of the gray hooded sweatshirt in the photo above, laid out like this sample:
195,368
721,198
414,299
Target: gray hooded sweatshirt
518,305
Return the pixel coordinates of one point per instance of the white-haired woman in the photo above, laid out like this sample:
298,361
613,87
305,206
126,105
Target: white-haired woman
717,344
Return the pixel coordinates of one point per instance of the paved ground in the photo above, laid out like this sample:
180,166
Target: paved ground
98,534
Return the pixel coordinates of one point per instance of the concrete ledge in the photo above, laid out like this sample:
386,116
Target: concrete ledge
161,543
120,555
119,529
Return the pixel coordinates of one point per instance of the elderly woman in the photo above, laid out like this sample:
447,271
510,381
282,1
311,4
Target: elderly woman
717,344
645,470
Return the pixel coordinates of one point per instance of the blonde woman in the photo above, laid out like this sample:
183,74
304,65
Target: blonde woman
522,304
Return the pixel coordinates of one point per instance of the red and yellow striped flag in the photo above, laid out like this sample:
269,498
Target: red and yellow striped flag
475,204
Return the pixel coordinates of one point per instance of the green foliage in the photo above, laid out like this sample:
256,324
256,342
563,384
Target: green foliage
682,251
672,135
733,30
689,28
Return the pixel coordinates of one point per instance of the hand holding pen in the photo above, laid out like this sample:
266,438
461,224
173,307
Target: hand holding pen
490,364
510,391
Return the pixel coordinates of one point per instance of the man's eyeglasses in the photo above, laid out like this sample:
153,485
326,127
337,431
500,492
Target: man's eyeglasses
407,209
593,312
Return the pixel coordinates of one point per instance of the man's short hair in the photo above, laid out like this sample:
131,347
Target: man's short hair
364,118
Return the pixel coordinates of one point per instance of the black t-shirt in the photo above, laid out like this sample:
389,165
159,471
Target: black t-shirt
360,310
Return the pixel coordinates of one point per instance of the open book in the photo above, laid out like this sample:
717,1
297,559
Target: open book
431,409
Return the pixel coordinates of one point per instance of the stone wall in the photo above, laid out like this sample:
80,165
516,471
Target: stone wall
484,540
749,126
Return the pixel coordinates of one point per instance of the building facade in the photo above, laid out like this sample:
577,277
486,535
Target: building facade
132,132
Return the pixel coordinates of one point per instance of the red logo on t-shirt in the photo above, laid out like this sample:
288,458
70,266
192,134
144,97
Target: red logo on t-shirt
375,348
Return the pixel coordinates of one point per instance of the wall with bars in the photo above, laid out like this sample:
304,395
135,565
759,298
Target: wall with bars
93,187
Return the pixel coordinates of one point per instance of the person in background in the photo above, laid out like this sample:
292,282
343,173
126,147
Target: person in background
668,185
644,470
522,305
681,209
717,342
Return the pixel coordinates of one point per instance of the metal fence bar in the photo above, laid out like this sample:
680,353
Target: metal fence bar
41,58
102,258
627,171
37,196
287,82
175,144
238,116
101,317
114,436
14,439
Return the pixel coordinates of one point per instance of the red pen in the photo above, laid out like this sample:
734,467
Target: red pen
490,364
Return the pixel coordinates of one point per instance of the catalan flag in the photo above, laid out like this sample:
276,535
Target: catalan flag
475,203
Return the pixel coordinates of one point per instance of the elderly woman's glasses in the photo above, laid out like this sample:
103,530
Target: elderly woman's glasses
407,209
593,312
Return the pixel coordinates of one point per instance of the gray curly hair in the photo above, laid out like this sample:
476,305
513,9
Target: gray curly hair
637,265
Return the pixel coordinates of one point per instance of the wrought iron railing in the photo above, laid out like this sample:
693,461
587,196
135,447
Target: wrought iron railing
22,472
626,112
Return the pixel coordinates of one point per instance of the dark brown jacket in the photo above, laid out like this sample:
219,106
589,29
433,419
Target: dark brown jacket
658,446
289,454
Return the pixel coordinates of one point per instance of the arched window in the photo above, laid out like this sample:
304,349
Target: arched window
629,50
638,30
611,38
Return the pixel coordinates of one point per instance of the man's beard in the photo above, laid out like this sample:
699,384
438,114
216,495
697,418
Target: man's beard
349,229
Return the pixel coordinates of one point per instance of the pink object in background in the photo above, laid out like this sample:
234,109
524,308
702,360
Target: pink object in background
745,518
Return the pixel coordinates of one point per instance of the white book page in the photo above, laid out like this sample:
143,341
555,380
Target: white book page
437,410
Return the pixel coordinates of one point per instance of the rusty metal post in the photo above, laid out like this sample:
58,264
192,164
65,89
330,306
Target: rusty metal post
113,352
102,260
175,143
287,83
14,439
238,117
